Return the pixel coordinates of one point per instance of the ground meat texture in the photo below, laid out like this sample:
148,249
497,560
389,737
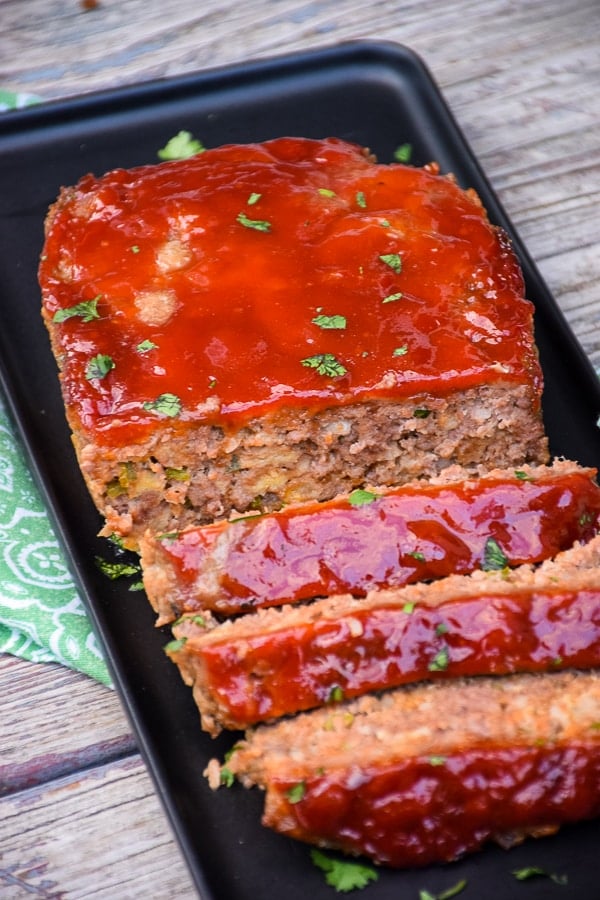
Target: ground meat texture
424,775
274,323
419,532
280,661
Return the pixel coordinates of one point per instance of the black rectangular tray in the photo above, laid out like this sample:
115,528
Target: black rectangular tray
379,95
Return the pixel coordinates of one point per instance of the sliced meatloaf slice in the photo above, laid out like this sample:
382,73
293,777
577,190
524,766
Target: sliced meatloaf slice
272,323
370,539
278,661
425,774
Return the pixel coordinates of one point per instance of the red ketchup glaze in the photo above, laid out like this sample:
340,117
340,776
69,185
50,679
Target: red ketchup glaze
411,534
298,667
239,318
418,811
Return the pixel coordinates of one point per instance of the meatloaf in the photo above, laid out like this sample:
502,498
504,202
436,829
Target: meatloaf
279,661
425,774
369,539
272,323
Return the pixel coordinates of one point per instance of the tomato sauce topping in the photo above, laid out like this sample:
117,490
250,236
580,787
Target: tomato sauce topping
424,810
302,665
295,272
415,533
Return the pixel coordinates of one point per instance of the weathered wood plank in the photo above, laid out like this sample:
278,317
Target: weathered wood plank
55,721
98,834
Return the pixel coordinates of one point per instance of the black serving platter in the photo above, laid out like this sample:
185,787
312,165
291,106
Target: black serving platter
379,95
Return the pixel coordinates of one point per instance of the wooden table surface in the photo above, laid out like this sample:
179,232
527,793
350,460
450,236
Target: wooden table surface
78,813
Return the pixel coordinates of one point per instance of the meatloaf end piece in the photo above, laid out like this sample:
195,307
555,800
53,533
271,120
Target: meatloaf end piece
271,323
423,775
276,662
369,539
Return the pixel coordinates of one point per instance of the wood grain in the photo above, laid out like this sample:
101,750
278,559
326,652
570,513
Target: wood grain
523,80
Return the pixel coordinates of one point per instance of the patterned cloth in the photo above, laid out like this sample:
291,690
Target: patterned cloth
42,617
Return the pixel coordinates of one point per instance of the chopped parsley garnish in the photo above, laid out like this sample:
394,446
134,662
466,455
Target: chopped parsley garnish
86,310
400,351
441,628
445,895
403,153
494,558
325,364
393,260
165,405
253,198
256,224
331,322
421,412
385,223
212,382
181,146
195,619
343,875
437,760
114,570
416,554
361,200
326,192
522,476
391,298
174,646
360,497
336,694
408,608
226,777
99,366
135,249
296,793
146,346
534,871
440,661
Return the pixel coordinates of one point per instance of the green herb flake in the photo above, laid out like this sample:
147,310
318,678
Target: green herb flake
195,619
296,793
177,474
326,192
447,894
114,570
361,200
255,224
336,694
441,628
408,608
385,223
136,586
393,260
175,646
391,298
135,249
164,405
400,351
416,554
535,871
181,146
341,874
86,310
325,364
360,497
522,476
421,412
437,760
440,661
146,346
212,383
253,198
226,777
403,153
494,558
330,322
99,366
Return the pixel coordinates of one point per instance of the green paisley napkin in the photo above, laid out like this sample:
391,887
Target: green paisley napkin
41,615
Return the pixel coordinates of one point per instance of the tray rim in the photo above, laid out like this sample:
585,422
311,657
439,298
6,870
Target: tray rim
15,123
